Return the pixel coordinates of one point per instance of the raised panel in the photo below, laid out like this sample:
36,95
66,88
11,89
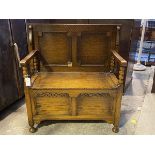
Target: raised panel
61,49
95,104
93,48
52,105
55,47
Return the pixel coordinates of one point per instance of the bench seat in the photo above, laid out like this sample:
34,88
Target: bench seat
74,80
72,70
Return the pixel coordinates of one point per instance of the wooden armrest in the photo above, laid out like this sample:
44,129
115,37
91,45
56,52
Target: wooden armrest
27,59
121,61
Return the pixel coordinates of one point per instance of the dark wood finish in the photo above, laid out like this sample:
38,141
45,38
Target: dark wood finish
121,61
8,76
59,21
153,86
31,55
11,81
19,35
71,70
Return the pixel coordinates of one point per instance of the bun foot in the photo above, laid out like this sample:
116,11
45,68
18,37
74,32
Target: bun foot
33,130
115,129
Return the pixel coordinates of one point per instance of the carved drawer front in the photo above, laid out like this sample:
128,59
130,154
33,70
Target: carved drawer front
95,104
53,105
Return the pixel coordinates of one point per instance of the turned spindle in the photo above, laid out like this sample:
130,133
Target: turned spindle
25,72
112,63
121,75
118,37
35,63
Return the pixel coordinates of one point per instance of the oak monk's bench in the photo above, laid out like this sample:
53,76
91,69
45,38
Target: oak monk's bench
73,72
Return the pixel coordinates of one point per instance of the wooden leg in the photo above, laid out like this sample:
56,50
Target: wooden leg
32,129
115,129
117,110
29,111
28,103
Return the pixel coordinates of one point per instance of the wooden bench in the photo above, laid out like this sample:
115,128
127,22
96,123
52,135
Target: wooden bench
73,72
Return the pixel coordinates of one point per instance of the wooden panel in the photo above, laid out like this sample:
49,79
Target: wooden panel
19,35
94,48
74,27
106,117
53,106
59,21
94,104
59,44
55,47
8,78
126,34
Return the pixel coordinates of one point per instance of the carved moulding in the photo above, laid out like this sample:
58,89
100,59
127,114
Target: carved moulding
38,93
111,95
94,94
49,93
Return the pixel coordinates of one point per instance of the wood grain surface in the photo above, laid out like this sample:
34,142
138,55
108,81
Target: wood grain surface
72,75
